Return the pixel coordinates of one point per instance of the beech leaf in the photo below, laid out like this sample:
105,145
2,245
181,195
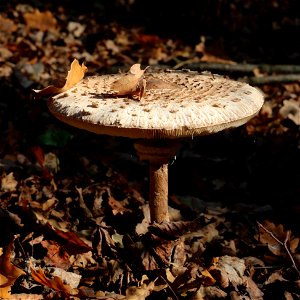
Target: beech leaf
131,84
75,74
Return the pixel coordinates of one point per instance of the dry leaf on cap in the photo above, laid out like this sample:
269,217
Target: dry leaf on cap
131,84
75,74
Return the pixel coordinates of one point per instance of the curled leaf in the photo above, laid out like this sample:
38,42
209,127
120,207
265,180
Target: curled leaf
75,74
131,84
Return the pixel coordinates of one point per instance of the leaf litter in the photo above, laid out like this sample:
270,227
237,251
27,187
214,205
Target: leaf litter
82,231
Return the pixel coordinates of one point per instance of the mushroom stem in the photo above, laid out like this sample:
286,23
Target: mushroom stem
158,153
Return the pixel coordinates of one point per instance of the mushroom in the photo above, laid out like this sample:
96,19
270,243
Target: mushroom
174,105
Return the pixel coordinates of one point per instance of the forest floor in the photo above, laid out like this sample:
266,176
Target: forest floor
73,205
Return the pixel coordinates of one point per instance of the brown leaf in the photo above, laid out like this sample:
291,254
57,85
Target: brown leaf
131,84
26,297
55,283
139,293
118,207
56,255
75,74
74,245
275,236
44,21
103,241
231,270
254,292
8,272
8,183
7,25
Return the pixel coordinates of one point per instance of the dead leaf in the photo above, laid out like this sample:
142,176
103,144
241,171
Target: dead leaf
7,25
118,207
275,236
26,297
44,21
102,239
75,74
56,255
8,183
254,292
139,293
209,292
69,278
231,270
291,110
131,84
74,244
8,271
56,283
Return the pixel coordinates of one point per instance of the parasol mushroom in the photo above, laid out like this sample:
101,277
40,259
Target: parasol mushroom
158,109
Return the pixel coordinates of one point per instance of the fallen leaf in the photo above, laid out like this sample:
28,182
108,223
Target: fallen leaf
69,278
131,84
139,293
8,271
231,270
291,110
103,241
275,236
56,283
26,297
74,244
56,255
75,74
254,292
118,207
44,21
7,25
8,183
209,292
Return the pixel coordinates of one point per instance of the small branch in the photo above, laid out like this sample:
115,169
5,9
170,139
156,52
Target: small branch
241,68
268,79
174,294
284,244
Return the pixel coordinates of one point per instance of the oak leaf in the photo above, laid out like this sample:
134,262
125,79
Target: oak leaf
75,74
131,84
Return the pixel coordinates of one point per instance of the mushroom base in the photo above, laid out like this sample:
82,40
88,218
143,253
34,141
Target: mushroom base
158,153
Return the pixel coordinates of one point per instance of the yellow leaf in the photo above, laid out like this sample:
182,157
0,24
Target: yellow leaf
9,272
4,291
75,74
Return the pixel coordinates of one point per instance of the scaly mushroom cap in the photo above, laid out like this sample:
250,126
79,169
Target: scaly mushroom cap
175,104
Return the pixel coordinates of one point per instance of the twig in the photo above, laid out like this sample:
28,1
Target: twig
267,79
169,287
284,244
241,68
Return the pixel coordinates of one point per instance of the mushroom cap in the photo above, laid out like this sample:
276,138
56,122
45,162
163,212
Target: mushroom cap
175,104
